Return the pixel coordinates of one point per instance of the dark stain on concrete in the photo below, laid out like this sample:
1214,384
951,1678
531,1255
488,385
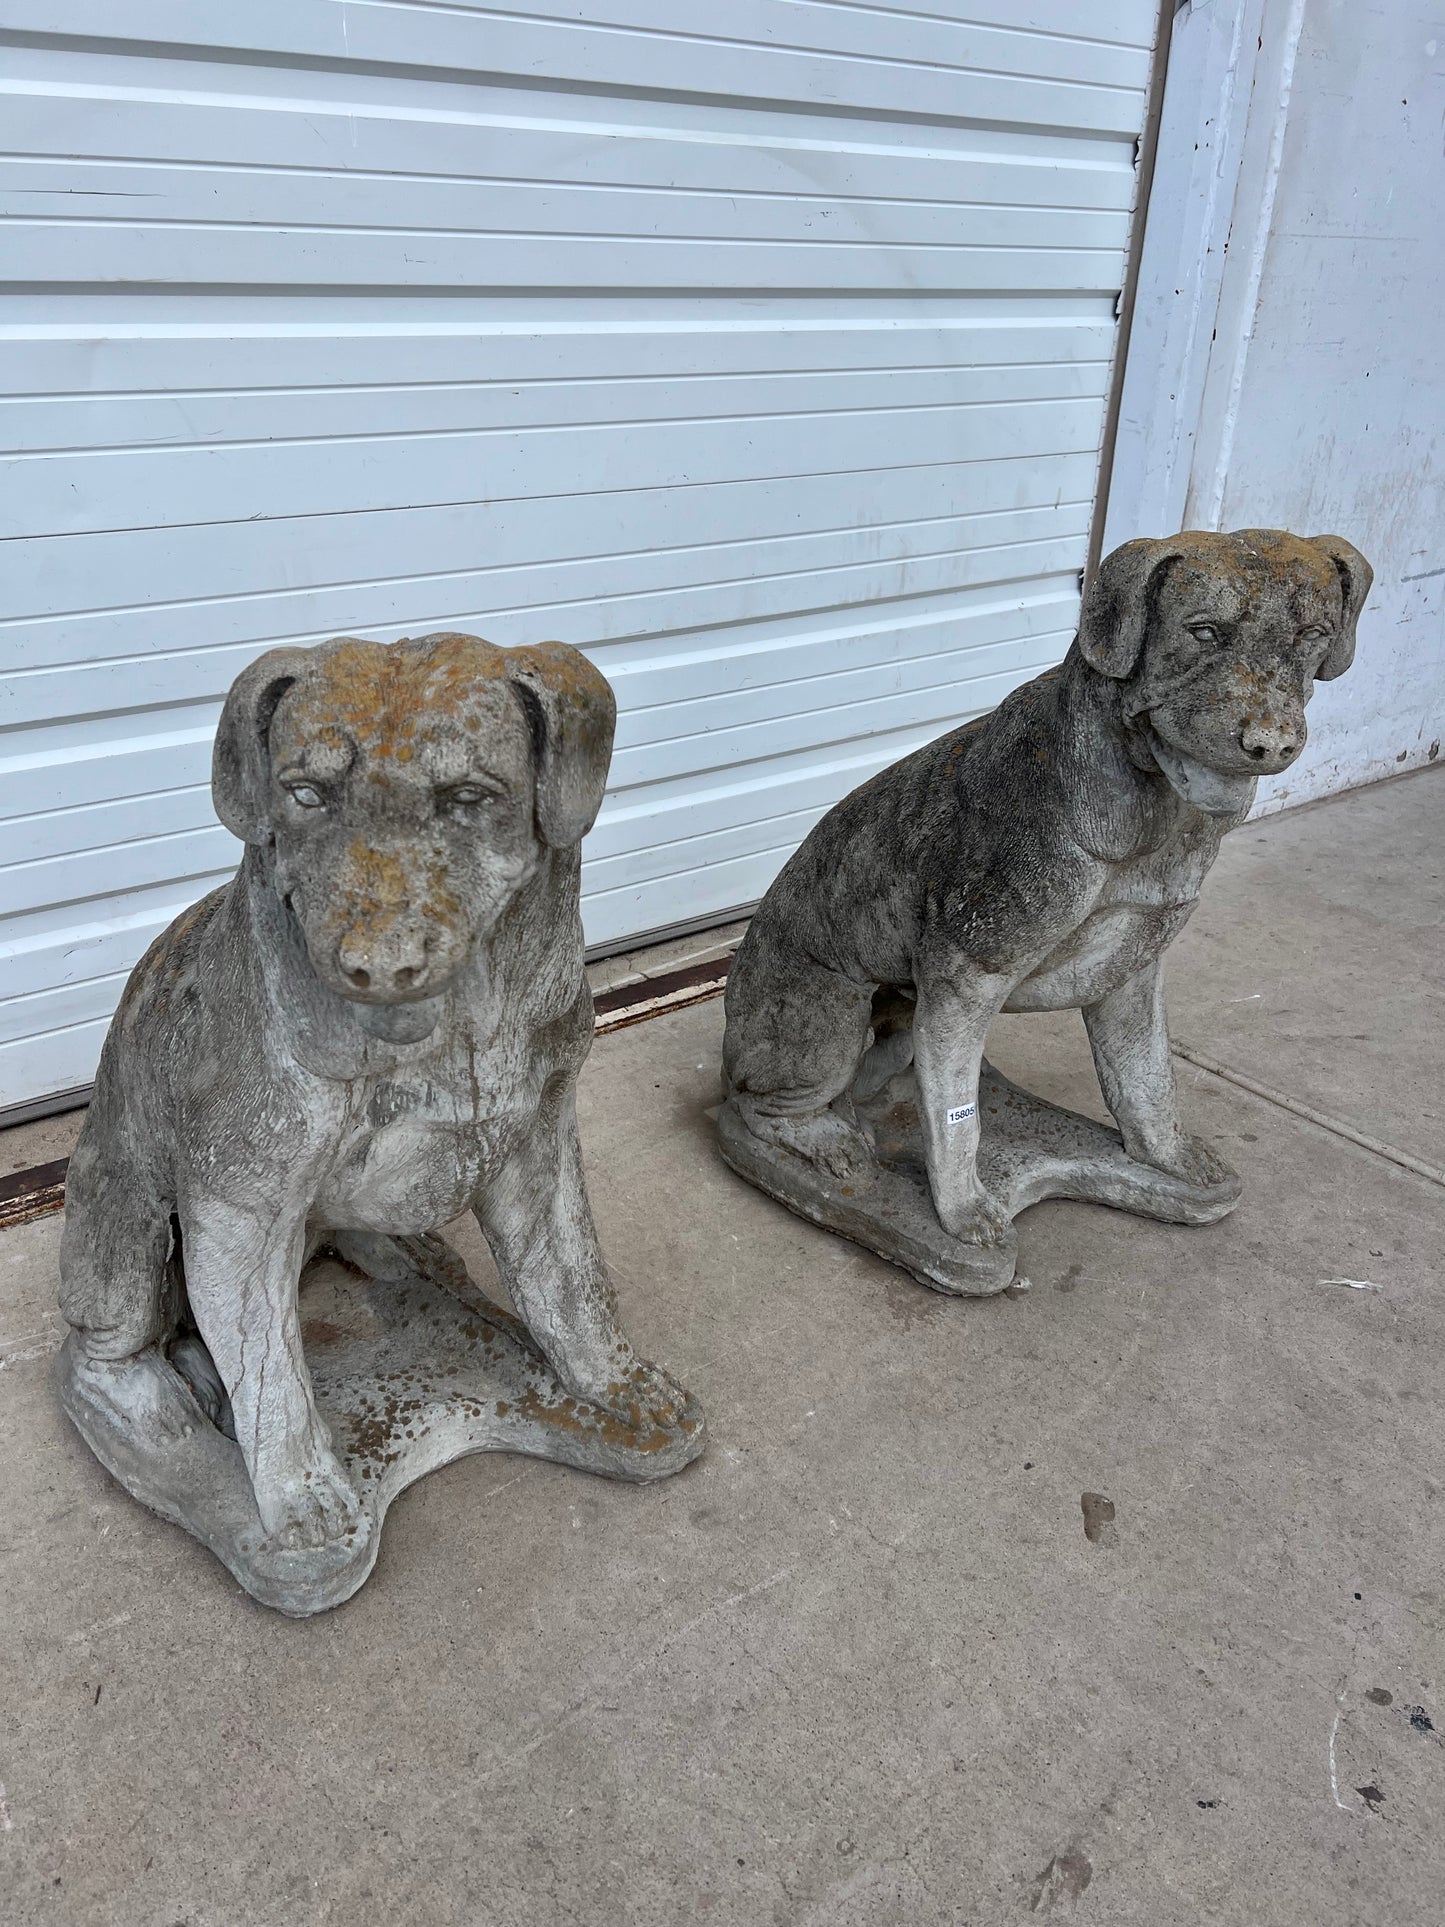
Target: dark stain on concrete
1372,1796
1064,1878
1378,1696
1099,1527
1070,1278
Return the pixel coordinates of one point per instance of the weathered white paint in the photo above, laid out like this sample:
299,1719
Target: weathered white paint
1302,359
761,349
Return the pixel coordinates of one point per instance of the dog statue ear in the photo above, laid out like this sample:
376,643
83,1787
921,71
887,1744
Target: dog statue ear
1118,601
573,714
241,760
1356,575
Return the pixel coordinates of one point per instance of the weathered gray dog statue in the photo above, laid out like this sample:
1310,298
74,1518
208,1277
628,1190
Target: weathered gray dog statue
1043,857
376,1025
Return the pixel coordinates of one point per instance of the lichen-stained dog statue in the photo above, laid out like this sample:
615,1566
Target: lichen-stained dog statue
375,1026
1043,857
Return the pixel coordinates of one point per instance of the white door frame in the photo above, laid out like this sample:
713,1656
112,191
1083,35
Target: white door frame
1230,68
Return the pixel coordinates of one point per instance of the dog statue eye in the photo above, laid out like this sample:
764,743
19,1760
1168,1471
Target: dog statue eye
466,794
1204,631
1313,633
308,797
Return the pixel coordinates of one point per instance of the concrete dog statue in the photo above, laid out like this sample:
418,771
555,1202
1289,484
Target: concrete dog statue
376,1025
1042,857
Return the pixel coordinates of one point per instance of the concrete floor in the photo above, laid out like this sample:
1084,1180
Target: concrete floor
861,1665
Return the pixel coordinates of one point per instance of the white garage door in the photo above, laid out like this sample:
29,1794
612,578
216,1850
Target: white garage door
759,347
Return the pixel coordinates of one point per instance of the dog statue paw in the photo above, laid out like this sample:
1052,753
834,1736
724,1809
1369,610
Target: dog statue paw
375,1026
1189,1159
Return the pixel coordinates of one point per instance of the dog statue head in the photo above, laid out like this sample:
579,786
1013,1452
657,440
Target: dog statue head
1218,641
407,791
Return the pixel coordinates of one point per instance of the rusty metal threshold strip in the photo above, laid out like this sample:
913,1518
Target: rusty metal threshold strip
35,1193
39,1192
655,996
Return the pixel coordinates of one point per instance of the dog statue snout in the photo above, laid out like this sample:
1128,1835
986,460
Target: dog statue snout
392,967
1271,744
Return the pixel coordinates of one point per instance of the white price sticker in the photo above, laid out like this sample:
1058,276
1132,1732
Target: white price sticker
961,1113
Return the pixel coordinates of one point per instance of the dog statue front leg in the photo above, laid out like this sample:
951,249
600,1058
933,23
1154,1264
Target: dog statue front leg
242,1269
1129,1036
950,1027
537,1220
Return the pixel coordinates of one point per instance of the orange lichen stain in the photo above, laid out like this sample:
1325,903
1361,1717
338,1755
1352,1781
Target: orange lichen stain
372,892
377,889
575,1416
188,919
377,694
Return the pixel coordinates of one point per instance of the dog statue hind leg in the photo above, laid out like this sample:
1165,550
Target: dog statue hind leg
118,1293
796,1035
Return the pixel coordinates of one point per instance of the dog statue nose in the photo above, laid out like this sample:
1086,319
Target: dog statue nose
394,966
1271,742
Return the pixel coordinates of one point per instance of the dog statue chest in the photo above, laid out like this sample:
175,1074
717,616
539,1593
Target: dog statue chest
412,1150
1101,954
1143,905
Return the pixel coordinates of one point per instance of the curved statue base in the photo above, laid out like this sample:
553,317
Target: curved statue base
410,1371
1029,1150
